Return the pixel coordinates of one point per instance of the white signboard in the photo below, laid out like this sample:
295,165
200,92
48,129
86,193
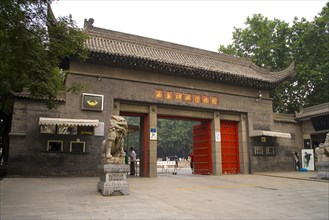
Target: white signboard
308,159
99,130
153,134
166,163
217,135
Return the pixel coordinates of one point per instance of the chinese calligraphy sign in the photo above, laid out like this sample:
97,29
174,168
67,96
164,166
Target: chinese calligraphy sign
175,96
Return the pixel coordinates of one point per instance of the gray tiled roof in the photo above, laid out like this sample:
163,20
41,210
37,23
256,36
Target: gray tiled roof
313,111
26,94
221,66
280,117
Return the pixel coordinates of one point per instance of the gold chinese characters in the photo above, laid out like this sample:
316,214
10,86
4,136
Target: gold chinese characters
185,97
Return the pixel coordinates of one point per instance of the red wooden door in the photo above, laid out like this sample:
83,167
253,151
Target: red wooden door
230,147
202,148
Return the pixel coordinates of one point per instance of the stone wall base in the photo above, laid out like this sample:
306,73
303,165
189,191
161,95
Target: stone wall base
113,179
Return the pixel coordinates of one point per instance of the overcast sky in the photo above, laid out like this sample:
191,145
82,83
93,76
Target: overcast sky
200,24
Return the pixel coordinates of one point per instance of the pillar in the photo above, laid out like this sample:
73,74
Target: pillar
215,145
153,142
243,145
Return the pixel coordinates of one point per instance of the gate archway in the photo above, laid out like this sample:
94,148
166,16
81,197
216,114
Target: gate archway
201,143
208,123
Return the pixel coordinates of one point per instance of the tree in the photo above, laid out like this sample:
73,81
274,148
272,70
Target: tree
174,137
133,138
310,44
33,46
273,44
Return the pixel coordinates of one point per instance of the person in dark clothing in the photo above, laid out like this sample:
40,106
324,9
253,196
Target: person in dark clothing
132,156
307,158
176,165
126,157
296,158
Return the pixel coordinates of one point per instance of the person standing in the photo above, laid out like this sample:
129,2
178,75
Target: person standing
126,157
132,157
191,161
296,157
176,165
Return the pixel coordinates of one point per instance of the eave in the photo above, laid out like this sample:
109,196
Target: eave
109,47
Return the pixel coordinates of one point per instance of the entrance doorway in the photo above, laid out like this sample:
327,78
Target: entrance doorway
136,138
201,142
174,144
183,137
230,147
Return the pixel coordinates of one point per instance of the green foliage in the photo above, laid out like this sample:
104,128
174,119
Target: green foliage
174,137
32,47
273,44
311,52
133,139
263,41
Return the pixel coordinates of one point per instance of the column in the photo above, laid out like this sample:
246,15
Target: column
153,142
215,145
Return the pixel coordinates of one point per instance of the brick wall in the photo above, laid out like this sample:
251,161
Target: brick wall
28,155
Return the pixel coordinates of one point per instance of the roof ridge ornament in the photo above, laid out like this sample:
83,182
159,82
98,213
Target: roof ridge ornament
88,23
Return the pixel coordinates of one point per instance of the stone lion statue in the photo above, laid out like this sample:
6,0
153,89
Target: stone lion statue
113,145
322,151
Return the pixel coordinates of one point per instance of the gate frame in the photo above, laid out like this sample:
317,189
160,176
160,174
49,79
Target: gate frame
144,165
154,111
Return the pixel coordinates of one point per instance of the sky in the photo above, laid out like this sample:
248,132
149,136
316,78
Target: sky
200,24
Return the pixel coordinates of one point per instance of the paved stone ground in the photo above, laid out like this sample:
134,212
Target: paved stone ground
184,196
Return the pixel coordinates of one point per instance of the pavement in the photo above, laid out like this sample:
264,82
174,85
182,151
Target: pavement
275,195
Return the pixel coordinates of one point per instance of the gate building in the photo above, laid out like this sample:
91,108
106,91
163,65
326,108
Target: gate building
130,75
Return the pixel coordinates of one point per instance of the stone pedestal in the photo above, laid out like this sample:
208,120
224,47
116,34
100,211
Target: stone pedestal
113,179
322,169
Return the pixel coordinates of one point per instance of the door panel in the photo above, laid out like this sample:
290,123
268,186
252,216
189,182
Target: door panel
202,148
230,147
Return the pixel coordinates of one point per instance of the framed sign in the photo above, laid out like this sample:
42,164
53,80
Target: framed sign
153,134
217,136
92,102
258,150
99,130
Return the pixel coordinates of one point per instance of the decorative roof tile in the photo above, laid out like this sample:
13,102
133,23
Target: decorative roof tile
288,118
26,94
213,66
313,111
